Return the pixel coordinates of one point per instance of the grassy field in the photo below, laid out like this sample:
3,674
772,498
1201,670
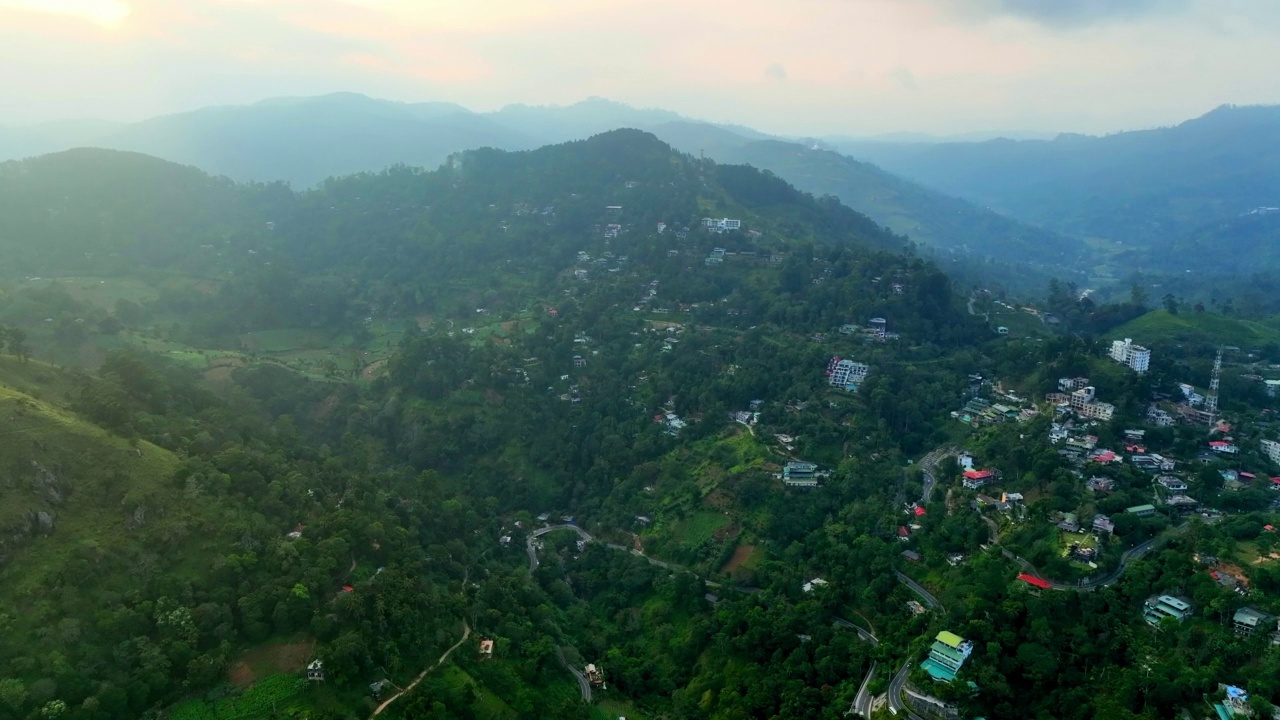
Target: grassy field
1189,327
488,706
276,696
699,527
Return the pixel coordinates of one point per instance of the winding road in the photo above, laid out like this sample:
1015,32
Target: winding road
584,685
918,589
897,686
466,633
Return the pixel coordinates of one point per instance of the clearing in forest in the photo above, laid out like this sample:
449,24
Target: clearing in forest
272,659
741,555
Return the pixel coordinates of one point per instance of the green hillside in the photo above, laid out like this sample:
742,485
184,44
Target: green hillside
81,502
1159,326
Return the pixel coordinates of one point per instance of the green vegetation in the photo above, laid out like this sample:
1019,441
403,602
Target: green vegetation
276,695
228,499
1160,326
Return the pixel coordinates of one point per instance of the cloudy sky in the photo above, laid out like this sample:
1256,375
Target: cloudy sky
798,67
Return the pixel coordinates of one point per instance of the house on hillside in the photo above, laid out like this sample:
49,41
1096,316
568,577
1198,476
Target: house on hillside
1247,620
1160,607
975,479
1103,524
946,656
800,474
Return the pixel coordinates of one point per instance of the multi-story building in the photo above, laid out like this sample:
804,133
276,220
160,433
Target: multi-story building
1136,357
1272,450
800,474
848,374
947,656
720,225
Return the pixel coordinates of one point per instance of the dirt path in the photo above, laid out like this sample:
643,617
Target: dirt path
466,633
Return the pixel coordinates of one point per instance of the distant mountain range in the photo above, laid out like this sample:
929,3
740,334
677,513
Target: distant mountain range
1147,187
1038,207
306,140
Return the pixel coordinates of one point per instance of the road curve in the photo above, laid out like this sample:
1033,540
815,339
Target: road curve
918,589
533,551
584,685
896,688
865,635
1089,584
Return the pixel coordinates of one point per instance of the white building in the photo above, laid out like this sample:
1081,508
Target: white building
848,374
1136,357
721,225
1272,450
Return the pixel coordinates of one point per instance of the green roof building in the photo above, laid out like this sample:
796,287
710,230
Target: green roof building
946,656
1163,606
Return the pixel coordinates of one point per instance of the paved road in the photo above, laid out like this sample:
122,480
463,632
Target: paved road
584,685
862,701
916,588
896,687
1089,584
929,465
533,551
865,635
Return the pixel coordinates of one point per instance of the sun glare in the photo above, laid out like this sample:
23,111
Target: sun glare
108,13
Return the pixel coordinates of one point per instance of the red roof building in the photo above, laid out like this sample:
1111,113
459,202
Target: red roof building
1034,581
919,511
979,474
348,588
903,531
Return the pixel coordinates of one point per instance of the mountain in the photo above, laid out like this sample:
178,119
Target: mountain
1143,187
304,140
32,140
930,218
105,210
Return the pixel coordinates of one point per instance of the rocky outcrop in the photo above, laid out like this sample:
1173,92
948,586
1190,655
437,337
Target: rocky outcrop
48,485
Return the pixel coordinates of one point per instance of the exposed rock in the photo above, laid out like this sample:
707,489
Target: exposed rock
48,485
140,516
44,522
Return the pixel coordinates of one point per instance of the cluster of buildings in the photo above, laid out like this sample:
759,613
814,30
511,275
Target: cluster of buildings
1135,357
846,374
876,330
1078,396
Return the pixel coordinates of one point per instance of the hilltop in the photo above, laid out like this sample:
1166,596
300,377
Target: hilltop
1188,326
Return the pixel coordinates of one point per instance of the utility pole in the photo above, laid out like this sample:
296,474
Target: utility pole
1211,400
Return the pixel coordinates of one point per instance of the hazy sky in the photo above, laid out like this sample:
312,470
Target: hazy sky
798,67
